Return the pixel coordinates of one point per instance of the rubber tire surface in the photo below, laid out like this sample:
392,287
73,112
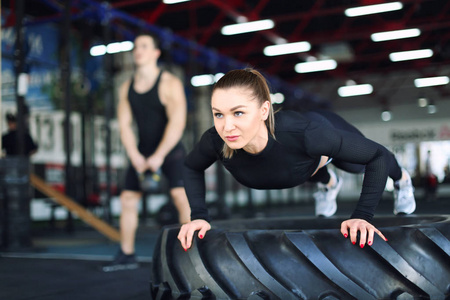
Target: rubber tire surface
305,258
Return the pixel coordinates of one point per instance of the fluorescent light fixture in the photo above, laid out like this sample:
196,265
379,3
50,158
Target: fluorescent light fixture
126,46
202,80
247,27
277,98
174,1
119,47
395,35
98,50
432,109
111,48
316,66
431,81
241,19
409,55
373,9
386,115
422,102
355,90
287,48
205,79
218,76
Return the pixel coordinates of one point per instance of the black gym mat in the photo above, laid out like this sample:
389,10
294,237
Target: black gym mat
57,279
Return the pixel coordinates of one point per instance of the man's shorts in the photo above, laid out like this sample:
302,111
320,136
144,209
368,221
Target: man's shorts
172,169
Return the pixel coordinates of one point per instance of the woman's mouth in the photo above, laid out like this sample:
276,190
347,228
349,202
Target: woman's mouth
232,138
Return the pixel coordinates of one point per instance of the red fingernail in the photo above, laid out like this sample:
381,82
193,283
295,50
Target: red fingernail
362,245
353,243
385,240
185,249
345,235
201,236
369,243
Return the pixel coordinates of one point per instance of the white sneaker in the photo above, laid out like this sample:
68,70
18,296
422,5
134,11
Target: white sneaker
325,198
404,201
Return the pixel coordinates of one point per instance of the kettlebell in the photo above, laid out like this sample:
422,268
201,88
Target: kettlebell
150,181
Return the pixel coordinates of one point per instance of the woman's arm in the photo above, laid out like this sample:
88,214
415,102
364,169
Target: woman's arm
355,148
194,182
202,156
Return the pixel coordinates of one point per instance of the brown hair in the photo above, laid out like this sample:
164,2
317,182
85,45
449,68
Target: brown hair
154,37
254,80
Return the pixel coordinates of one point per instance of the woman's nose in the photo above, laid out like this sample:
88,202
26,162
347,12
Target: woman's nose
229,124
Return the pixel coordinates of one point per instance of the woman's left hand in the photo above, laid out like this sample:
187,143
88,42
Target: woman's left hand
366,230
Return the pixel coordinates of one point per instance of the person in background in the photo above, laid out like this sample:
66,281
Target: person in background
431,180
155,101
10,143
263,150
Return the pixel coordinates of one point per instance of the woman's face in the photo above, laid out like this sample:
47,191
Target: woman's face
239,119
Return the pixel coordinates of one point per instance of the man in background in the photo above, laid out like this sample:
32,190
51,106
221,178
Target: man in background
155,101
10,140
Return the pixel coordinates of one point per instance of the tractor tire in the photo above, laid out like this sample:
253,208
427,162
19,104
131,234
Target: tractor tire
305,258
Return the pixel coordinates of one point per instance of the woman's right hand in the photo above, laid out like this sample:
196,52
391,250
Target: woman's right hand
187,232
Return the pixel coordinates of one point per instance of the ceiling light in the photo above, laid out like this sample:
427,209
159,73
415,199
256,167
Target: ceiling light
205,79
287,48
373,9
422,102
395,35
126,46
409,55
277,98
241,19
355,90
218,76
431,81
202,80
98,50
112,48
247,27
432,109
316,66
174,1
386,115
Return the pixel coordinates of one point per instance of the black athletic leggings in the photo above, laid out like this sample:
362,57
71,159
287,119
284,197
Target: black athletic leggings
333,120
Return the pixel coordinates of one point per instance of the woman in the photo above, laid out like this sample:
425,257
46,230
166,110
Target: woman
266,151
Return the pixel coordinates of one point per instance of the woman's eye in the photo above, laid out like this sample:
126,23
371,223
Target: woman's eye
218,115
238,113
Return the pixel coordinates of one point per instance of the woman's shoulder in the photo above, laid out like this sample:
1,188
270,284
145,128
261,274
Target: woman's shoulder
289,120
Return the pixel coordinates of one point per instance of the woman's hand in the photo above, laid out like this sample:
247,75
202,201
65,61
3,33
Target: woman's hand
187,232
366,230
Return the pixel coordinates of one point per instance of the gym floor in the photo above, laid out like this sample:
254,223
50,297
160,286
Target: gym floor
63,265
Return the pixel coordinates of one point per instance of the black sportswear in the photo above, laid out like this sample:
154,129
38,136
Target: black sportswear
149,115
151,120
10,143
291,158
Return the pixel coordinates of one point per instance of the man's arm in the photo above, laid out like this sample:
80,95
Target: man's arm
127,136
172,96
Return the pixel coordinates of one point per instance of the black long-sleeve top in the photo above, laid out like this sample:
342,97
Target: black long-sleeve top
289,160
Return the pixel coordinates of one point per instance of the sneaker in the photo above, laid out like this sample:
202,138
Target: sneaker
121,261
404,201
325,197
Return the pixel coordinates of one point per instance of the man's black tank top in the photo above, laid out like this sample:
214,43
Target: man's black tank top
149,115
